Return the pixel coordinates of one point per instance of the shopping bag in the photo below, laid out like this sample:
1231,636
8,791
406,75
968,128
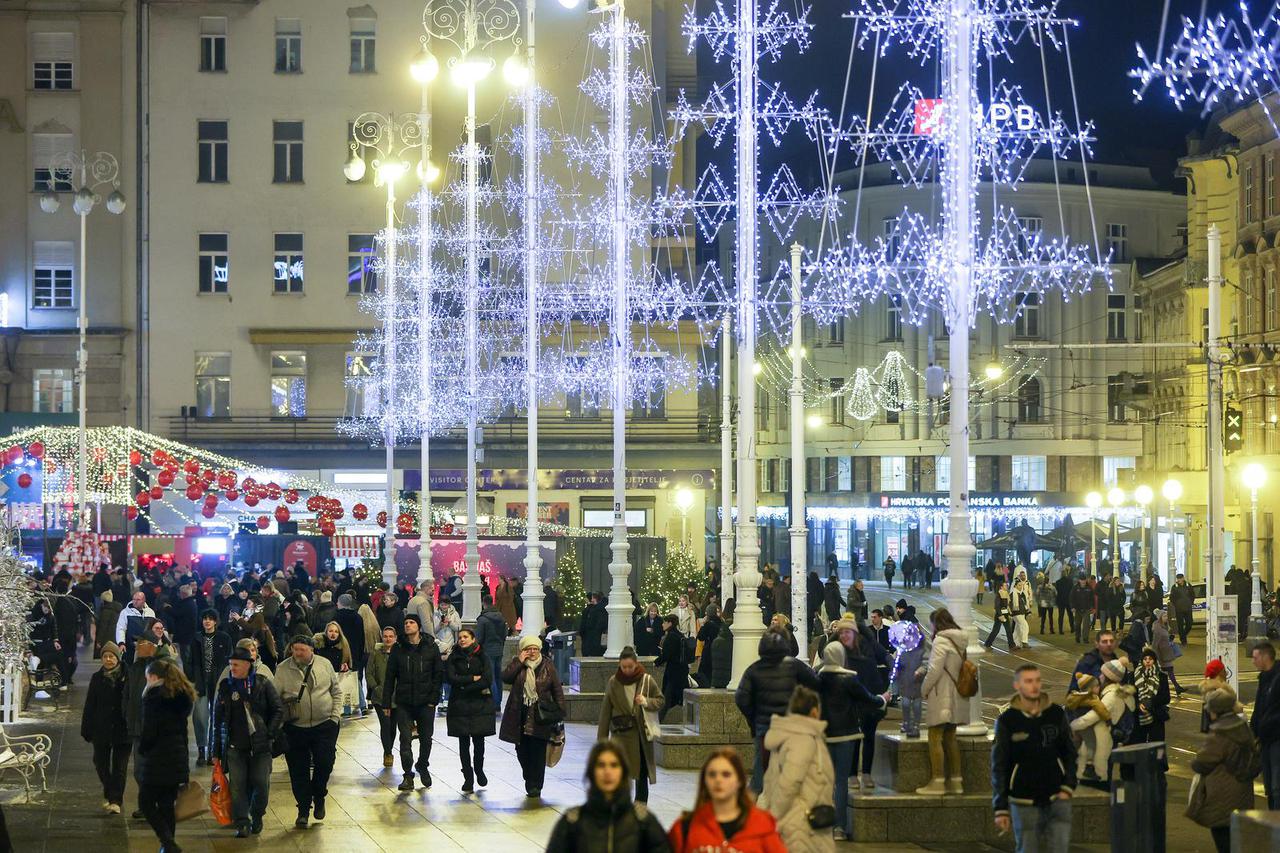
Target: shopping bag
220,795
555,749
192,801
350,686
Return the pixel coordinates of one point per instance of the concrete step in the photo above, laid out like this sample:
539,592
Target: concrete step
902,763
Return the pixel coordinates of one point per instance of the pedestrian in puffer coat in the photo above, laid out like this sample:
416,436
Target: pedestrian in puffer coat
103,725
845,703
1227,765
722,656
672,657
831,599
161,767
765,691
108,616
800,774
470,714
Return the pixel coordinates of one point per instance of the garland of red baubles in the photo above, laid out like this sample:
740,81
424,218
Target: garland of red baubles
201,489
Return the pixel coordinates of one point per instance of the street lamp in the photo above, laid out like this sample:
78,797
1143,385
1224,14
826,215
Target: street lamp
95,170
1172,491
1143,495
389,138
1115,497
684,502
1255,477
1093,500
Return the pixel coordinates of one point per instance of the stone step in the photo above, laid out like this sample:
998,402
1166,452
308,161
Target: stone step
711,720
591,675
685,748
902,764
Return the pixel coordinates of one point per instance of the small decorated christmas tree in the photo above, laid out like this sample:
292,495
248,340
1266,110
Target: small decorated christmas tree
666,582
573,593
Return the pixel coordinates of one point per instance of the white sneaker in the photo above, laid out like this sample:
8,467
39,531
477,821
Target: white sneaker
106,806
114,808
868,784
840,835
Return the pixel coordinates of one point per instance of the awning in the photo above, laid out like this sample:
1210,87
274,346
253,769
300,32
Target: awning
355,547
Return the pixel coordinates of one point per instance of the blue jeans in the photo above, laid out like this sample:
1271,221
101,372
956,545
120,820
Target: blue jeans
250,780
758,767
1271,773
842,754
200,721
1042,829
495,662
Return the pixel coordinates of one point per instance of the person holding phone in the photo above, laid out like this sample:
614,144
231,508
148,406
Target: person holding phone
535,709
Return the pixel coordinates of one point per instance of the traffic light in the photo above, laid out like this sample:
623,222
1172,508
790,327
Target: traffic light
1232,429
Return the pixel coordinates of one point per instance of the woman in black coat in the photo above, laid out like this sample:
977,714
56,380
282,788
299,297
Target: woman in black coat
706,636
675,669
104,726
608,821
648,631
470,714
162,763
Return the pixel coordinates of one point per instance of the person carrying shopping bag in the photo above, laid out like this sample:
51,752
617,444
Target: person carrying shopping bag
629,715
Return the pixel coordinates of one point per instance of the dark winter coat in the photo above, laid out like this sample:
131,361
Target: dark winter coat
1062,587
390,617
1033,758
707,635
767,684
593,623
1265,722
103,721
353,629
107,618
845,701
675,666
516,719
491,631
414,674
470,701
161,754
66,616
648,633
831,599
608,826
722,657
265,709
375,674
205,682
1227,763
1181,597
184,620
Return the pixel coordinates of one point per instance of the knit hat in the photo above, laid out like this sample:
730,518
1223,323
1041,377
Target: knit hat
304,639
1113,670
1085,681
1214,668
409,617
241,654
1219,701
110,648
107,596
326,597
845,624
526,642
902,602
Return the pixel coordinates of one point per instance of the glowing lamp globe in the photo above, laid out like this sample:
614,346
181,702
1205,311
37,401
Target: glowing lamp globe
1143,495
1093,500
993,371
684,500
115,202
428,172
570,4
389,172
1172,490
516,72
1254,476
426,67
354,168
49,202
1115,497
470,70
813,421
84,201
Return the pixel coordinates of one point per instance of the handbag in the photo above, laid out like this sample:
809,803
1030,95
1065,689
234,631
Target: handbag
822,816
555,749
192,801
548,712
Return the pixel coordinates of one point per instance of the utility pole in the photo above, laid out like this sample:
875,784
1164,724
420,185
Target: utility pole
1215,579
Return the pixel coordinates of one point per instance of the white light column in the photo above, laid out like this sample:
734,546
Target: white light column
424,71
471,581
799,524
726,461
389,572
747,627
1255,477
619,607
1215,580
960,587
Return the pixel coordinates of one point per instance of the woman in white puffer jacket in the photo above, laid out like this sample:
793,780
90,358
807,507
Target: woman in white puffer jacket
800,774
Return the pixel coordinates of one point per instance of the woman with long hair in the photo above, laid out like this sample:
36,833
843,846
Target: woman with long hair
944,708
648,631
332,645
725,815
608,820
161,764
470,714
255,628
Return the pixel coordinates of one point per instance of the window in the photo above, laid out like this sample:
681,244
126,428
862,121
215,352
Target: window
893,319
1111,467
835,332
942,474
287,270
1030,228
812,474
53,274
768,472
1029,473
362,45
289,384
1118,242
213,44
214,269
1026,323
1115,316
581,404
362,397
51,390
211,145
1138,317
844,473
1029,409
893,473
286,140
1115,405
361,277
53,61
1250,297
762,409
1269,296
46,147
1250,189
1269,186
892,240
837,400
288,45
213,384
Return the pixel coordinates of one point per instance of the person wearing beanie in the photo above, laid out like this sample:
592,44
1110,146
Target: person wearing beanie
1101,727
765,689
415,673
103,725
312,698
1227,764
247,718
844,702
534,712
210,651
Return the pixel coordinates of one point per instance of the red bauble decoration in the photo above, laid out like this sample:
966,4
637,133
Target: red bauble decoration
194,492
232,495
263,522
382,518
273,491
24,480
36,449
208,475
210,499
191,466
156,493
135,458
404,523
226,480
282,514
359,512
337,511
142,498
250,500
131,512
208,511
157,458
326,527
291,496
312,502
13,454
248,484
165,477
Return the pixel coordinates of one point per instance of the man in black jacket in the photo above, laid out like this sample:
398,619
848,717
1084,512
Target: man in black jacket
1265,721
210,651
247,716
1033,767
353,629
1062,598
1082,607
592,625
184,622
415,672
765,690
1182,600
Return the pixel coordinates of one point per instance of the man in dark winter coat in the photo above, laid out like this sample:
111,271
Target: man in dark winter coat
388,614
1062,599
1091,662
831,599
1033,738
415,673
1181,601
1265,722
592,625
491,634
765,690
210,651
722,656
247,717
184,622
1082,603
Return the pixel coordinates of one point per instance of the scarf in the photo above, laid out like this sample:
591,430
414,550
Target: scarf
114,673
629,680
531,681
1147,681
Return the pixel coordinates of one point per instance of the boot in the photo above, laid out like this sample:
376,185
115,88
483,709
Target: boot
936,787
481,779
955,785
468,781
407,784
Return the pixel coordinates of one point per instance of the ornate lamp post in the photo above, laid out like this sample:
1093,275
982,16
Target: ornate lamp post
1093,500
1143,495
93,170
1255,477
1116,498
1172,491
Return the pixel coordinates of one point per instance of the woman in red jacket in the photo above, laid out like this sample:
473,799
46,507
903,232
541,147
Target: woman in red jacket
725,815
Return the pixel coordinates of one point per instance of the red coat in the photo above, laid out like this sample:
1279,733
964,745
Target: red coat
758,835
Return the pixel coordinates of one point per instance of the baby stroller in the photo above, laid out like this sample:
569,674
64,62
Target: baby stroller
40,676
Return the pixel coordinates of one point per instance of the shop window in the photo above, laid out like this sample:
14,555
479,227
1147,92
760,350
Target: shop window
1029,473
1113,465
893,473
289,384
361,396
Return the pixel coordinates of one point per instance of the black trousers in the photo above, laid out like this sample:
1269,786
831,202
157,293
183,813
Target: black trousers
1071,619
642,778
471,751
425,717
386,729
1007,625
532,754
867,746
157,803
1183,619
1046,613
310,759
111,760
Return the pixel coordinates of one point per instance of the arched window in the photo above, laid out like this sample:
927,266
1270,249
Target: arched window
1029,408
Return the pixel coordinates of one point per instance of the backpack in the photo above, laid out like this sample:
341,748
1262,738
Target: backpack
967,682
1122,729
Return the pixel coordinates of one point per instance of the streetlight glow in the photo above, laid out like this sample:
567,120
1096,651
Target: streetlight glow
516,71
993,371
428,172
353,169
1093,500
684,499
390,171
813,421
1254,476
425,67
1171,490
1115,497
1143,495
470,70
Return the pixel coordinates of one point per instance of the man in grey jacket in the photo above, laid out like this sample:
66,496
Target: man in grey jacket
422,607
313,707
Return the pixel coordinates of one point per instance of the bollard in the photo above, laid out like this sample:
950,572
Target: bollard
1138,798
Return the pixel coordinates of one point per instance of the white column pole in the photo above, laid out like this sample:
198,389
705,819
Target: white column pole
1257,627
533,592
471,581
425,575
1215,580
726,461
82,364
389,352
619,607
799,525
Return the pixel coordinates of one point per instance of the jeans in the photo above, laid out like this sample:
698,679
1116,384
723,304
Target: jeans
1042,829
1271,773
842,754
386,729
1183,621
532,754
406,716
157,803
200,721
310,758
911,715
495,663
360,689
250,778
759,766
1046,613
996,627
867,746
111,760
1082,620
